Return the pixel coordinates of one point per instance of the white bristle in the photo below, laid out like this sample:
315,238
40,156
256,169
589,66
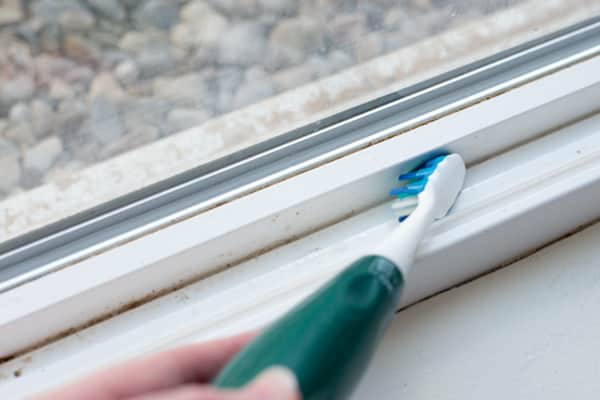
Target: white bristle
406,202
404,207
404,212
401,212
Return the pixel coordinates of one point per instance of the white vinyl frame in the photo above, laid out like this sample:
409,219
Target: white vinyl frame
518,173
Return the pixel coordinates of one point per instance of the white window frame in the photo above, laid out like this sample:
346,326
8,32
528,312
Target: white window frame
311,211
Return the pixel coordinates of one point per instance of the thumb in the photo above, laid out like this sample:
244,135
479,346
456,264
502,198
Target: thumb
277,383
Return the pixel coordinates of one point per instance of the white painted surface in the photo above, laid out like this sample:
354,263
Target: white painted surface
201,245
528,331
544,189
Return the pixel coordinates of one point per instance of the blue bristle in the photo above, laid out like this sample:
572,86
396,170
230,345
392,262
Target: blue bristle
417,180
435,161
417,185
412,188
420,173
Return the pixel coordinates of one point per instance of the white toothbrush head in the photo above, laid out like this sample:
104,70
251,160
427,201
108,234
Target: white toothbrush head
435,183
427,194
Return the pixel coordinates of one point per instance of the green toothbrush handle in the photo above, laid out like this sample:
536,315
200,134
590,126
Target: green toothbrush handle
327,340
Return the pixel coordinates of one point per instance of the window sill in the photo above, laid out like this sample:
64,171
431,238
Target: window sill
528,331
512,187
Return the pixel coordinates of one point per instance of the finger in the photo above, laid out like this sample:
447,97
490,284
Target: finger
276,383
188,392
189,364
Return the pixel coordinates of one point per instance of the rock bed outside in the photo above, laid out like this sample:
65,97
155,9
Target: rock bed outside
82,81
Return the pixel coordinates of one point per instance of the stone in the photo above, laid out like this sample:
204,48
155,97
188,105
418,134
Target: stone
42,156
203,57
15,54
51,10
325,66
325,10
20,133
111,9
293,39
48,67
9,165
368,47
79,77
29,30
374,12
19,88
105,85
237,8
292,77
243,44
161,14
136,136
202,26
280,7
191,90
76,20
143,133
60,90
196,9
255,73
148,111
348,29
423,5
69,117
155,61
104,124
108,32
81,49
20,112
183,118
131,4
227,81
253,91
127,72
106,39
112,58
405,28
10,12
42,117
137,41
51,38
338,60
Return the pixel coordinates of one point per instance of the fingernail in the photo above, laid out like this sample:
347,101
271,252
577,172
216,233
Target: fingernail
279,381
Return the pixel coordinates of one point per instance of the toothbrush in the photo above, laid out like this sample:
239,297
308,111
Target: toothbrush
328,340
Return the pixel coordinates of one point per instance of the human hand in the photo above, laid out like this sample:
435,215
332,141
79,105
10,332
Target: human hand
179,374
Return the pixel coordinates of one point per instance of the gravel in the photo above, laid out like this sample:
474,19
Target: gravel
10,12
37,159
184,118
111,9
293,39
244,44
84,80
19,88
9,165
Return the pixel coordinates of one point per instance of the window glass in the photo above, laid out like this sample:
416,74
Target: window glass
102,97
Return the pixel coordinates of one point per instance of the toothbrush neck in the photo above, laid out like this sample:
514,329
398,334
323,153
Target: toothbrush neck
401,246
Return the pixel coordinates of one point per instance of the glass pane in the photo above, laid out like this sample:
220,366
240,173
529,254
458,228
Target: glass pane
102,97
